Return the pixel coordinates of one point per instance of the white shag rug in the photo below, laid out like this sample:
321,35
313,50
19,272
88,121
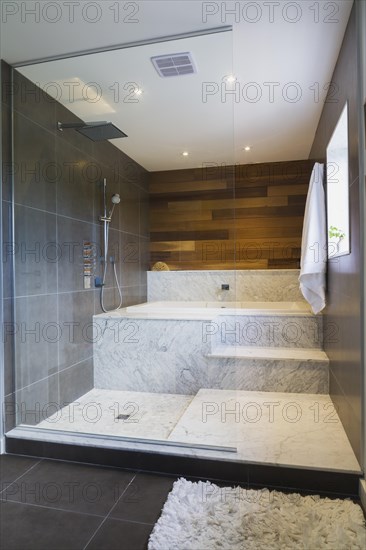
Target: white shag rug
203,516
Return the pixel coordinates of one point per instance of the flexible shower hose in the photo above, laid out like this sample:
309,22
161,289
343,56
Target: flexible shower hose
106,246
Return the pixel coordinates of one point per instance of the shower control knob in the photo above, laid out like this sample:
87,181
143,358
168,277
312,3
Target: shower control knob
98,282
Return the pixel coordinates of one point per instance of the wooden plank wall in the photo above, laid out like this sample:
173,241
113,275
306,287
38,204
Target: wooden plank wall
229,217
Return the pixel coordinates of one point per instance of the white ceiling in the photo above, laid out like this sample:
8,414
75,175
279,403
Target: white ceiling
170,116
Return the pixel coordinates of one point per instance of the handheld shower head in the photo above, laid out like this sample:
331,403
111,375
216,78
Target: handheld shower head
116,199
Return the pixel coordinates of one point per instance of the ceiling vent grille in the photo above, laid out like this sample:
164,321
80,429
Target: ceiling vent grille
177,64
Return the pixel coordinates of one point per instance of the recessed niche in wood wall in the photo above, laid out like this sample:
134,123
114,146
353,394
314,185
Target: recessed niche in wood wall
229,217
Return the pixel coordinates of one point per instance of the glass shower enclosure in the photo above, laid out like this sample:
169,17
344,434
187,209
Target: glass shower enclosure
84,366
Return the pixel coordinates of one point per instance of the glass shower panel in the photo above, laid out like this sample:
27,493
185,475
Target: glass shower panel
123,374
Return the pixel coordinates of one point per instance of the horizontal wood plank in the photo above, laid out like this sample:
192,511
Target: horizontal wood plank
218,204
215,225
259,212
229,217
288,190
186,186
173,246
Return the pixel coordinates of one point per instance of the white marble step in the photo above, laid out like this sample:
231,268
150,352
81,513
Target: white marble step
281,354
297,370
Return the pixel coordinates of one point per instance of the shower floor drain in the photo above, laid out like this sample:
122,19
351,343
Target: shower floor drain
123,416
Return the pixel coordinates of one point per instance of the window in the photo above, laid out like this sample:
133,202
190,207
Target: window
338,189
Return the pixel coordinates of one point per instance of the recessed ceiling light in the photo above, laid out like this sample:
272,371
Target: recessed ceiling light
185,153
230,78
247,148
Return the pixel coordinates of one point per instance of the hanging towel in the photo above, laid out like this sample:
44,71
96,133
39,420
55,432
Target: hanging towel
314,243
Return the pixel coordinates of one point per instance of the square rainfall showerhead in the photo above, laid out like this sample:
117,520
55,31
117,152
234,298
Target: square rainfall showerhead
101,132
177,64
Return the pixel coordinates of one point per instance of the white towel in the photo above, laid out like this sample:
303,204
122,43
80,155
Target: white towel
314,243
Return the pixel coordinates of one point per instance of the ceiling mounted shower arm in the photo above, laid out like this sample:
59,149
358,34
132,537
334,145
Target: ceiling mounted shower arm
96,131
75,125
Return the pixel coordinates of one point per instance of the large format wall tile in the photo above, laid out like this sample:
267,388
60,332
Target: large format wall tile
75,313
35,252
32,102
36,171
37,402
36,338
75,381
71,236
77,187
74,138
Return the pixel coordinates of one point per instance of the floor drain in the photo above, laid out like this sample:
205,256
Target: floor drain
123,416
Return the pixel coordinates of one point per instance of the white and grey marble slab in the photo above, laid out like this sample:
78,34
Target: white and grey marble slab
151,416
269,375
294,430
173,355
251,285
150,355
293,331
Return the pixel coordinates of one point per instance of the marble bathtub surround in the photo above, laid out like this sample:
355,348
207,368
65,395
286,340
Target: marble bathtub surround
274,285
265,330
155,353
219,308
150,355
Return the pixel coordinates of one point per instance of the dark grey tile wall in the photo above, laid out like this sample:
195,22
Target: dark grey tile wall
344,274
57,202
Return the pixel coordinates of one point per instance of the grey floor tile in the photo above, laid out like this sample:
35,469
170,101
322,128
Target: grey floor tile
144,499
12,467
71,487
25,527
121,535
